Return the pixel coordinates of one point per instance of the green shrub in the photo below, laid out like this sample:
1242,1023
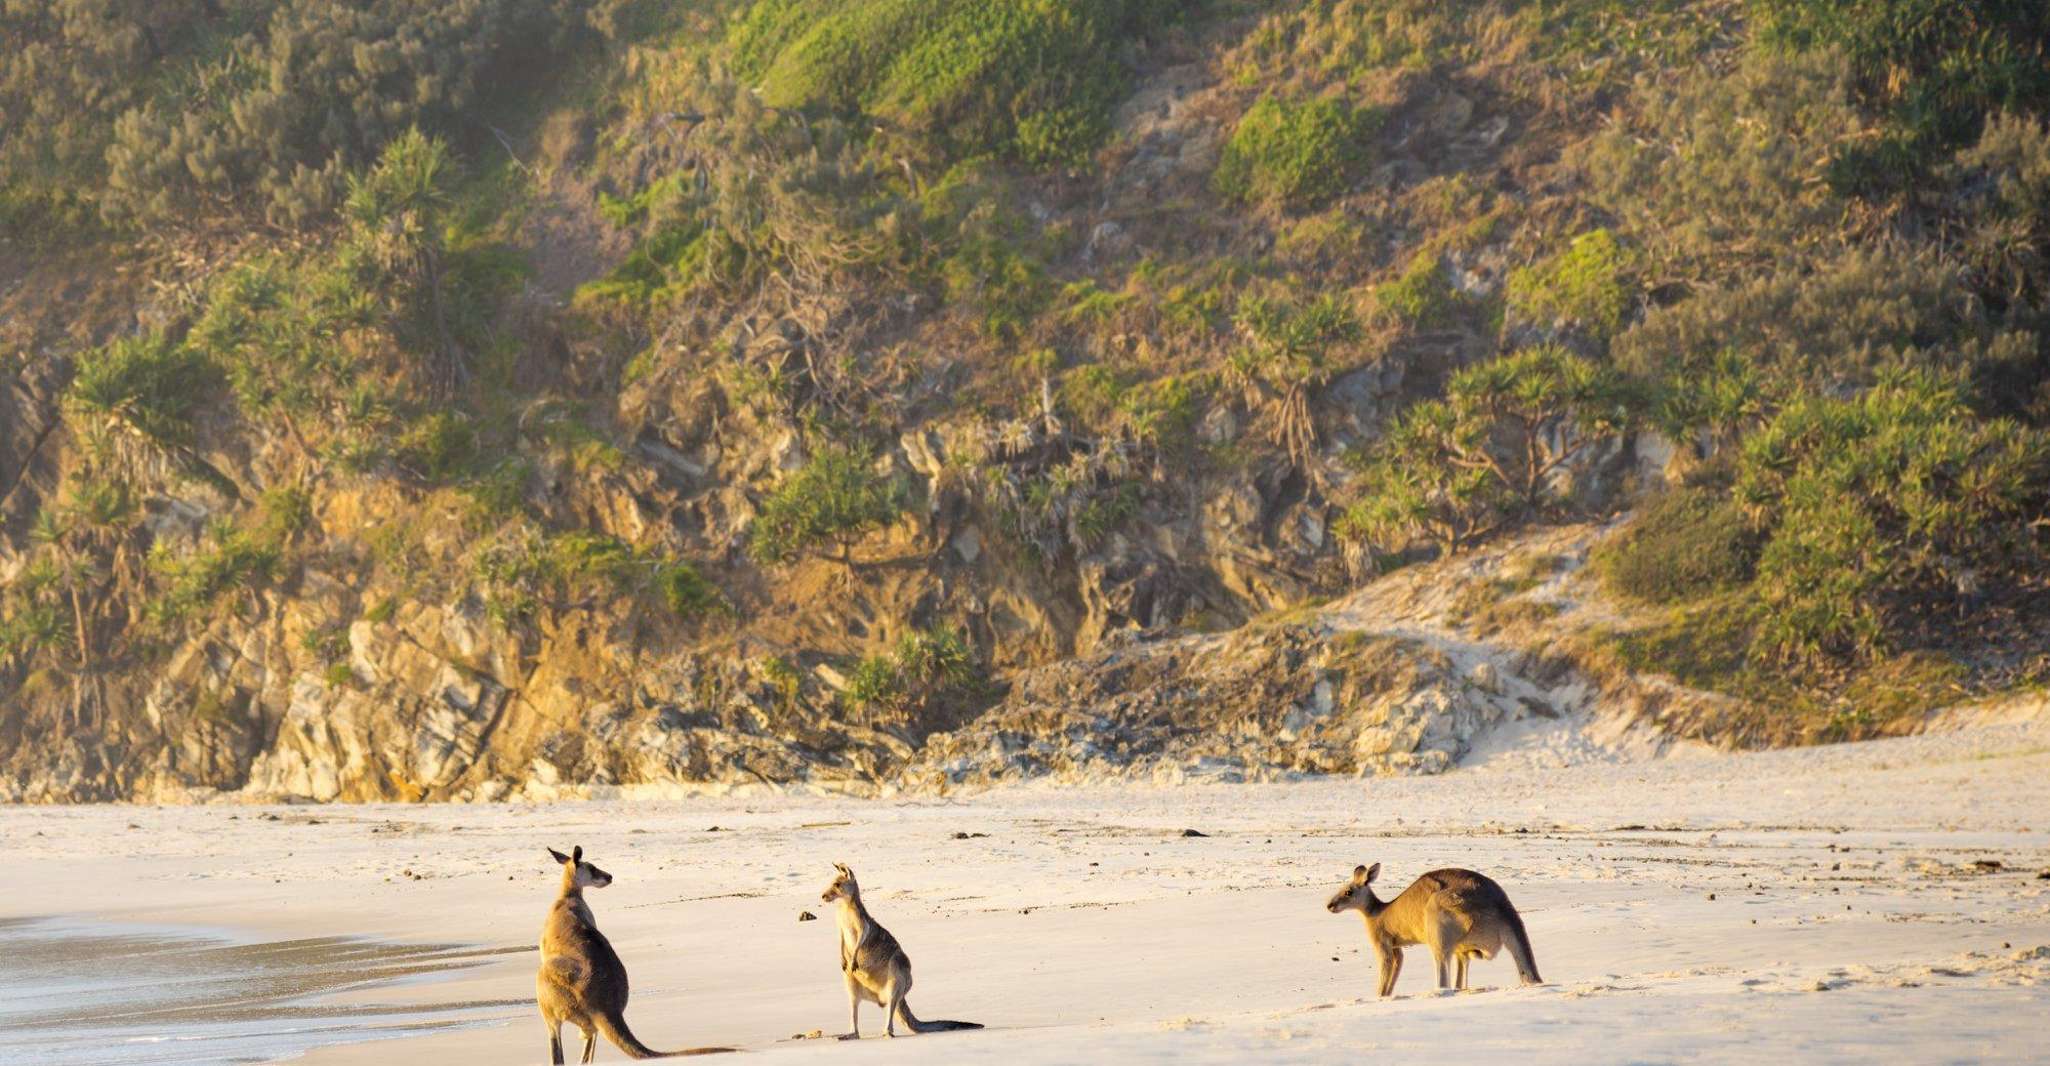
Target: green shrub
276,326
1720,399
501,491
1423,296
150,384
835,498
685,590
1349,39
1585,43
1457,470
1720,174
270,125
1937,68
439,448
524,568
343,336
580,553
1876,505
1295,152
1033,80
1838,317
234,557
1586,283
2002,184
1009,287
1685,544
923,667
71,67
1162,412
1095,393
774,199
874,682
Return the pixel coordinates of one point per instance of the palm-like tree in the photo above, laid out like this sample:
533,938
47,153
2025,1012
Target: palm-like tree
89,538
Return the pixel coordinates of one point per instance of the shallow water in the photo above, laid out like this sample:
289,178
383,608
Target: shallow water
73,992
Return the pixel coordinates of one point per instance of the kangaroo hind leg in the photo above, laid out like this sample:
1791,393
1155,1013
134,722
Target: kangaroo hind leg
853,1010
893,1001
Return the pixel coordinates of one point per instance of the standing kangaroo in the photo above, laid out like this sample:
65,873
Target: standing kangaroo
582,981
875,967
1458,914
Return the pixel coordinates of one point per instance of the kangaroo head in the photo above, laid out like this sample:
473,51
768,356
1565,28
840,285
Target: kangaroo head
577,872
1355,895
843,886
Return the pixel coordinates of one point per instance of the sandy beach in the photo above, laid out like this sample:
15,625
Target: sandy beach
1826,904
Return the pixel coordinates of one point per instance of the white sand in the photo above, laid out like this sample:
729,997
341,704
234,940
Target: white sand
1846,923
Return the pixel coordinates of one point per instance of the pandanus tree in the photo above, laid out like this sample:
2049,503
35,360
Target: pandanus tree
396,214
1456,470
91,566
1286,358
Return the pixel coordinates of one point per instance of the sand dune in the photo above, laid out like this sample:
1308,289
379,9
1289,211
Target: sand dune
1826,904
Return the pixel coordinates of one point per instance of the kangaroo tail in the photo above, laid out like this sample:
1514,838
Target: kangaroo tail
1519,949
911,1022
615,1030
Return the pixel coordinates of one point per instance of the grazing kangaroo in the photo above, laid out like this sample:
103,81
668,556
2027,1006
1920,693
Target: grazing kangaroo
582,981
1458,914
875,967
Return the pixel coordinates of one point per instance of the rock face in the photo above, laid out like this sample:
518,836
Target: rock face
424,695
29,424
1261,704
1392,679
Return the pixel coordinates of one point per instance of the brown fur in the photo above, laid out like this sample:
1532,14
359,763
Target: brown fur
581,980
1458,914
874,965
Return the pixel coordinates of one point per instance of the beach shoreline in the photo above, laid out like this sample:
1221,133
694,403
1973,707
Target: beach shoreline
1827,904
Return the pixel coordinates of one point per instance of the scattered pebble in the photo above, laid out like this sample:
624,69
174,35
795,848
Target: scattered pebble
1193,833
969,836
807,916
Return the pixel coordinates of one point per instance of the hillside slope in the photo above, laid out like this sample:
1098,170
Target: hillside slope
480,398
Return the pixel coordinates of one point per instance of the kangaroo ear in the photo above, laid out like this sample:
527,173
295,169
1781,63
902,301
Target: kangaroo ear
576,854
1372,872
557,856
842,867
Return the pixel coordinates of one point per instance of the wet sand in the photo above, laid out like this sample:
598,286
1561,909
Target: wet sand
1825,905
73,991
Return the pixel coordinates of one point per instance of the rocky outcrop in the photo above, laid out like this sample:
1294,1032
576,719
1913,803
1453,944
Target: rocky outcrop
1259,704
1392,679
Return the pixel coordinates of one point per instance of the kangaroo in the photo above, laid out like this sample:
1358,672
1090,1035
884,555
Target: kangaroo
1458,914
875,967
582,981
